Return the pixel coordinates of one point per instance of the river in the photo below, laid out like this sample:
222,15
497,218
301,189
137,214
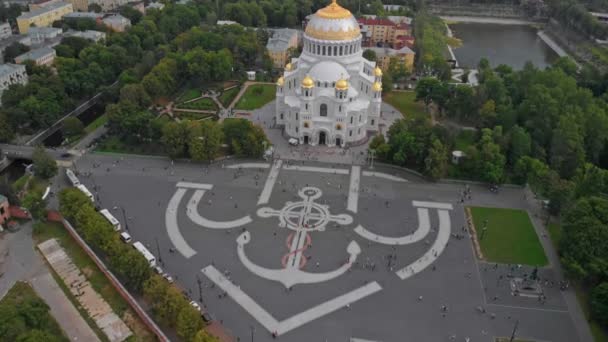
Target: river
512,45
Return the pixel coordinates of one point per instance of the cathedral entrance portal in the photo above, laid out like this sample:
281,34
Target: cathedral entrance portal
322,138
306,140
338,142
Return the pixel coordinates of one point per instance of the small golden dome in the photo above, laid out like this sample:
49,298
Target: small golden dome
288,67
280,81
308,82
342,84
334,11
378,71
377,86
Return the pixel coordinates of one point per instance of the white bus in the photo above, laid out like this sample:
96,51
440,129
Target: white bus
113,221
72,177
145,252
86,192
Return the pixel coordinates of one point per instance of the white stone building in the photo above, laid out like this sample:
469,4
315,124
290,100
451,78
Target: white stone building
330,95
41,56
11,74
5,30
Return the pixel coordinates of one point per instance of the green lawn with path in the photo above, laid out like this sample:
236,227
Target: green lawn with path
200,104
24,312
405,102
188,94
256,96
48,230
510,237
100,121
228,95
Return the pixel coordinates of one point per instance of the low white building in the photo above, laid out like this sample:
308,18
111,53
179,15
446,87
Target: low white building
108,5
11,74
226,22
39,34
155,5
117,22
95,36
41,56
5,30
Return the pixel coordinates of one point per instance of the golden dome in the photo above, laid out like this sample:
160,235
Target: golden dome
280,81
378,72
288,67
377,86
334,11
333,22
342,84
307,82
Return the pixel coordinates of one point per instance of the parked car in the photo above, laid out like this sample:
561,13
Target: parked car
125,237
158,270
168,278
293,142
195,305
207,318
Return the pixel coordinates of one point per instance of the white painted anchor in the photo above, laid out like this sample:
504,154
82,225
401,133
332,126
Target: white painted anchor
301,217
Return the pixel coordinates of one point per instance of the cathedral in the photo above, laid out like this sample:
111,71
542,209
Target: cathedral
330,95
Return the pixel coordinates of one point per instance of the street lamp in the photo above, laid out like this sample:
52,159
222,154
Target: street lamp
252,332
200,290
124,217
514,331
160,259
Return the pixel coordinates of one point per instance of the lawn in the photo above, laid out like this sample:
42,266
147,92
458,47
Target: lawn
188,94
101,284
100,121
256,96
405,102
510,237
192,116
464,139
201,104
25,311
228,95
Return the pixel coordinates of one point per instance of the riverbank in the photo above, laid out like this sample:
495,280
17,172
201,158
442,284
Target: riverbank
552,44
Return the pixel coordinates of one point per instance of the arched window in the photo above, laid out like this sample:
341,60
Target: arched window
281,116
351,119
323,110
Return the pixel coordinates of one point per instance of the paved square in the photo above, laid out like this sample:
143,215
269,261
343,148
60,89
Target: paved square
324,252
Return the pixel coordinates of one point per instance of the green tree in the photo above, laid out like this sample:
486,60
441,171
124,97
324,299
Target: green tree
44,165
370,55
135,93
176,136
205,141
491,162
436,162
567,149
188,323
599,303
584,242
72,127
520,144
14,50
7,132
35,204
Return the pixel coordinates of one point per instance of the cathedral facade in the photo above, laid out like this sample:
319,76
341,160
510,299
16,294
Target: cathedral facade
330,95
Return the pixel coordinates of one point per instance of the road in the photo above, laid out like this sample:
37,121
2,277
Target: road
25,152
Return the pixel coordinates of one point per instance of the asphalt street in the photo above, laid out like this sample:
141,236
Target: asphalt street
402,310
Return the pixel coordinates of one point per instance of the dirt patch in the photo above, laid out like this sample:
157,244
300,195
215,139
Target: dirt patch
87,272
141,332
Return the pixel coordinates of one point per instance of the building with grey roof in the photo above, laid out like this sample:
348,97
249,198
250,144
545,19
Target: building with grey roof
41,56
88,34
279,44
11,74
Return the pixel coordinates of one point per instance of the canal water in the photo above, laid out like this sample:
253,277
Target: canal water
88,116
512,45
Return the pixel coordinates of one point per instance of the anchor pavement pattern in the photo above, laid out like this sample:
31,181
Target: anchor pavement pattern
303,218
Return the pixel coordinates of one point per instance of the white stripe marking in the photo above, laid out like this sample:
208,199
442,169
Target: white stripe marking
269,322
194,185
315,169
437,205
249,166
173,229
194,215
353,190
272,178
436,249
383,175
424,226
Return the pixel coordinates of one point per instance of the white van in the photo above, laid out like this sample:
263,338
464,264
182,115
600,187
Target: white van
145,252
125,237
113,221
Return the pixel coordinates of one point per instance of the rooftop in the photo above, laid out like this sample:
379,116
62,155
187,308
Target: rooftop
117,18
43,30
85,15
6,69
37,12
280,39
390,52
35,54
